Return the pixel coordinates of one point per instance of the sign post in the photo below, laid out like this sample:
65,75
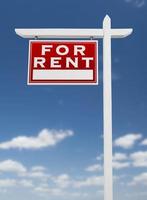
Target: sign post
107,110
106,34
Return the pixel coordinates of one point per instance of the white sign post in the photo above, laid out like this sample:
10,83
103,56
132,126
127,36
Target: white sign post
107,110
106,34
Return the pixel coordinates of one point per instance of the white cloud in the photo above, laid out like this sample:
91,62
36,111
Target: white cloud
49,191
90,181
144,142
94,168
120,165
37,172
120,161
100,157
4,183
12,166
79,194
58,192
137,3
44,139
37,175
38,168
139,179
119,157
139,159
62,181
26,183
127,141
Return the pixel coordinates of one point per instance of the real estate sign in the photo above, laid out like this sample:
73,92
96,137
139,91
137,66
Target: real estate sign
63,62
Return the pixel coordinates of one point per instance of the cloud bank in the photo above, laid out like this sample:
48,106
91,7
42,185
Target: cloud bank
127,141
44,139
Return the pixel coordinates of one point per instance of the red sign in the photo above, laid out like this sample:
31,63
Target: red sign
62,62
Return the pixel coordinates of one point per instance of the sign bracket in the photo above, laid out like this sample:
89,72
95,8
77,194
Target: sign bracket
71,33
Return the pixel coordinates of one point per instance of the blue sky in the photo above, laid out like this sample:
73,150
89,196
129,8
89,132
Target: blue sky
51,142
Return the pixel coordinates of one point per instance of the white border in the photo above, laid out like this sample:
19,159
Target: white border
97,66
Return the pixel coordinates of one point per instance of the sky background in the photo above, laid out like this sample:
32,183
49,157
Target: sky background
51,143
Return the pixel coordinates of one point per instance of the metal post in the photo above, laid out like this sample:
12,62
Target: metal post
107,110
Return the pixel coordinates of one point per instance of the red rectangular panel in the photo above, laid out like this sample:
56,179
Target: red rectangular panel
63,62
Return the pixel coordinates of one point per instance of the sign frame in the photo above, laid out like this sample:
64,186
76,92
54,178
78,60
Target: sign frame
66,82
